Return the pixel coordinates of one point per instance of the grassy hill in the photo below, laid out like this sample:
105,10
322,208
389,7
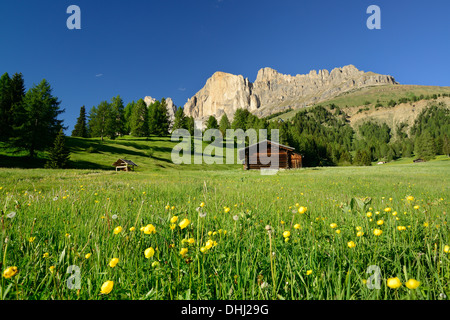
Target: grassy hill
150,154
366,99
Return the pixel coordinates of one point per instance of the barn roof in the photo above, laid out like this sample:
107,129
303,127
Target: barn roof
281,146
129,162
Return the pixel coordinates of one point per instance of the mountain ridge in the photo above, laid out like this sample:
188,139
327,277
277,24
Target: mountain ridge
273,92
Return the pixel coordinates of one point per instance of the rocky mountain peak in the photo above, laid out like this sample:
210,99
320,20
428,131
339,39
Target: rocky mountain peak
273,92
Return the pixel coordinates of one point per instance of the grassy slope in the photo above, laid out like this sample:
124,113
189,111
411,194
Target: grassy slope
149,154
356,99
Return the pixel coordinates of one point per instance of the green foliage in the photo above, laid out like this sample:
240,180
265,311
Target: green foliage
39,124
59,154
158,119
362,158
224,124
80,129
102,121
425,146
211,123
12,92
139,120
118,116
180,121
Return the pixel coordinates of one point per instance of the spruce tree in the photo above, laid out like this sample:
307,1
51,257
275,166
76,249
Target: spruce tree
59,154
5,107
180,121
39,125
425,146
118,116
139,120
158,119
80,129
101,121
224,125
127,116
211,123
446,145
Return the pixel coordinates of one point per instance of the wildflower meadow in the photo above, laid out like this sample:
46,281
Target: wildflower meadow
310,234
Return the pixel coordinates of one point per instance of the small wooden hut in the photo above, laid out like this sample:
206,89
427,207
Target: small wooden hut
284,158
124,165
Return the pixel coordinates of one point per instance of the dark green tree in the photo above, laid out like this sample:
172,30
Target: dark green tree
127,116
190,125
80,129
211,123
362,158
224,124
425,147
59,153
139,120
158,119
446,145
5,107
180,121
39,125
118,116
101,121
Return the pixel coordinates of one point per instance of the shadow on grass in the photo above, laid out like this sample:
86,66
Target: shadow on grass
22,162
114,147
79,164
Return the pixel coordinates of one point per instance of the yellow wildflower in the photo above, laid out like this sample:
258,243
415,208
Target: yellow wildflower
302,210
10,272
113,262
394,283
107,287
149,252
377,232
183,251
412,284
184,223
149,229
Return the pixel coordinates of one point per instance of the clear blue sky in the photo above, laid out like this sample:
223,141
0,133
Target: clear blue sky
170,48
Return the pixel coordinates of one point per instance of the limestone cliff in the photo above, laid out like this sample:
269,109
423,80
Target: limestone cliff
273,92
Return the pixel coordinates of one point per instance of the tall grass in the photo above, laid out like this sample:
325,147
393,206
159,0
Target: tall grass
71,213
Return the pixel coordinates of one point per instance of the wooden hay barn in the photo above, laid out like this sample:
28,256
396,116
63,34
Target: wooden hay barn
285,158
124,165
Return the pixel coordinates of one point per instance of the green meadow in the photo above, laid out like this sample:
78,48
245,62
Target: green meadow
219,232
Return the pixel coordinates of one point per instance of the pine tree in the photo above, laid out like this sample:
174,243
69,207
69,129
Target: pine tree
190,125
180,120
5,107
158,119
446,145
127,116
224,124
39,125
425,146
211,123
80,129
101,121
17,113
59,154
118,116
139,120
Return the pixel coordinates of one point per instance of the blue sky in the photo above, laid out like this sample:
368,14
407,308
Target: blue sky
170,48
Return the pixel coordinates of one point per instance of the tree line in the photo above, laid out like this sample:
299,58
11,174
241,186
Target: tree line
113,119
325,138
28,118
